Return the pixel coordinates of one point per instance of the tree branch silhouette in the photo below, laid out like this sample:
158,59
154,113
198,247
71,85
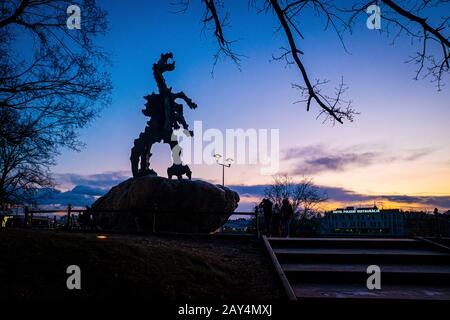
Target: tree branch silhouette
405,17
332,109
211,17
48,91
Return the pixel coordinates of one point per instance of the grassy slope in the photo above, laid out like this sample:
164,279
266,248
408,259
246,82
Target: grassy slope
33,265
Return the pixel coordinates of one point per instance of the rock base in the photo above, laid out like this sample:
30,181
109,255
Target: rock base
164,205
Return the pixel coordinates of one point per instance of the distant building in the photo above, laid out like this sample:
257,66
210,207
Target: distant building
240,225
364,221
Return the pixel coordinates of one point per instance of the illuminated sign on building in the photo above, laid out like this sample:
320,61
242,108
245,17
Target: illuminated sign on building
357,211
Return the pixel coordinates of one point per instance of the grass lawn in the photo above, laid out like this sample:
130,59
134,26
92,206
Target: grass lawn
33,265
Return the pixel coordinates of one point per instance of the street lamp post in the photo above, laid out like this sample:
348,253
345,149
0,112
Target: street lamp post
227,164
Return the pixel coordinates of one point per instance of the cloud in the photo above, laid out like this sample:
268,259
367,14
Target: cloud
79,190
99,181
57,199
87,190
250,191
333,193
337,162
93,186
346,196
319,158
434,201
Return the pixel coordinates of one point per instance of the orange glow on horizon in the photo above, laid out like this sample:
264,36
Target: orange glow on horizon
380,203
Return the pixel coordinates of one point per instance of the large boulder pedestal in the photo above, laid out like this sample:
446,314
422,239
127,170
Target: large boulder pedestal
152,203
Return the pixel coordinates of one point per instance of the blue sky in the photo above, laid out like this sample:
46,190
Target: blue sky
399,116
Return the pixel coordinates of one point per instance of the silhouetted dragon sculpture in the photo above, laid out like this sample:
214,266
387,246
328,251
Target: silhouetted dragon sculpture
166,116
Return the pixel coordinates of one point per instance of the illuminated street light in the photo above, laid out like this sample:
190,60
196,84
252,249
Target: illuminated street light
227,164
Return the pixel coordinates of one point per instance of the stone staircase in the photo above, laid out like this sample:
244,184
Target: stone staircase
335,268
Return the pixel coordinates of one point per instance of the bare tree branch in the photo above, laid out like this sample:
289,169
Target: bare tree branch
303,195
406,18
50,92
332,109
211,16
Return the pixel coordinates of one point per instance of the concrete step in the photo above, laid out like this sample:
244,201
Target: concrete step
356,273
331,243
385,268
363,256
311,290
336,268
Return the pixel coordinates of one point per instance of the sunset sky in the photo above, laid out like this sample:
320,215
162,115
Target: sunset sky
396,152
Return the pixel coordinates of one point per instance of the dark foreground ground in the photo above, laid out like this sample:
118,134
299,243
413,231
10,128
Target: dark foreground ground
209,268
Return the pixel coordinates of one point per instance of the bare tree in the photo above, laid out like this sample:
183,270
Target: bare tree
52,83
308,196
281,187
403,18
24,164
303,195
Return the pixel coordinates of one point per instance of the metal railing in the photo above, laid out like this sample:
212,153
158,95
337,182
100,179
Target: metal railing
71,222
